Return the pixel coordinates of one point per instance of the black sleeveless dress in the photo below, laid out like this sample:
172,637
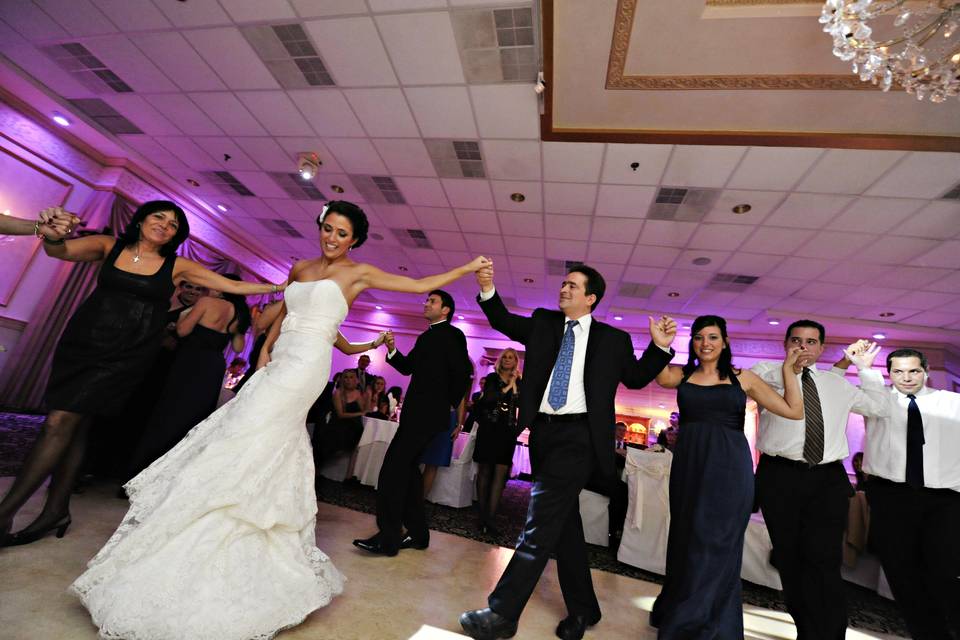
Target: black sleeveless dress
711,495
112,339
189,394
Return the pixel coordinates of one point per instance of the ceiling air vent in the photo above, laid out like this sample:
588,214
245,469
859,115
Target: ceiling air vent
288,53
280,227
378,189
227,183
731,282
105,115
953,194
682,204
412,238
497,45
76,59
635,290
296,187
561,267
456,158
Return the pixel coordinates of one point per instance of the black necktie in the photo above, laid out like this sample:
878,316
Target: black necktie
915,442
813,417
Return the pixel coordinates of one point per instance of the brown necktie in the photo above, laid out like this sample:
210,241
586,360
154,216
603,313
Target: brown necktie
813,416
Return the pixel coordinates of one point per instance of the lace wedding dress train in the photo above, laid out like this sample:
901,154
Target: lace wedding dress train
219,541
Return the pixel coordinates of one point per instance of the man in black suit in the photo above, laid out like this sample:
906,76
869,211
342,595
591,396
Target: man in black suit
439,370
572,368
364,377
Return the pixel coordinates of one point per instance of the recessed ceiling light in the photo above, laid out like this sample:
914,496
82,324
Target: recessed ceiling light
741,208
528,280
662,406
618,318
701,261
684,326
192,182
377,307
879,336
673,294
221,207
459,317
60,120
773,321
402,268
336,188
517,197
887,314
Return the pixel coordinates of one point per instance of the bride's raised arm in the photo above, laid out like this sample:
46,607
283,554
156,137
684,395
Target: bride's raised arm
373,278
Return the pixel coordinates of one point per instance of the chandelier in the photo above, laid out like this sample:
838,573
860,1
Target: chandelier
920,50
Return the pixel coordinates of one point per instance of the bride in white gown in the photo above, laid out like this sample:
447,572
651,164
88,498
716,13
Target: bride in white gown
219,542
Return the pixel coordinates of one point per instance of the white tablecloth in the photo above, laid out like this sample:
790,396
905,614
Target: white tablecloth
377,435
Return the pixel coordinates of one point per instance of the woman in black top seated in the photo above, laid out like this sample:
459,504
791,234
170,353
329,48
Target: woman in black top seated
107,347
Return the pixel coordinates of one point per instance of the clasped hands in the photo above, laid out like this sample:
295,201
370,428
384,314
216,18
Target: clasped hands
55,223
862,353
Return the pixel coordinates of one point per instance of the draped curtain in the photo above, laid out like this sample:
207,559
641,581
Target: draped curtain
24,379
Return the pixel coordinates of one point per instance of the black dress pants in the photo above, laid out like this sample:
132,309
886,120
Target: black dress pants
400,488
805,509
916,533
562,457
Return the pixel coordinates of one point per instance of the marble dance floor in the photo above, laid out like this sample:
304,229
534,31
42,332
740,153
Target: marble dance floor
418,594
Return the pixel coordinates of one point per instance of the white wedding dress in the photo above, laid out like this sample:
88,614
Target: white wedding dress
219,541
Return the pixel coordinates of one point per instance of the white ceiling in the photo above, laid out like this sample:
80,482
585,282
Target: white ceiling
836,234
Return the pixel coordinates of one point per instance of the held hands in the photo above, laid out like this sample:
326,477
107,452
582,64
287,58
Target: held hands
479,263
380,339
55,223
485,278
389,340
662,331
862,353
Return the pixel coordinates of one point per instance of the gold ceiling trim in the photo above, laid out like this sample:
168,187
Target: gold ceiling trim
620,44
757,3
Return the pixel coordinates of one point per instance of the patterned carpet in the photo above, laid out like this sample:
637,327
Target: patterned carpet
868,610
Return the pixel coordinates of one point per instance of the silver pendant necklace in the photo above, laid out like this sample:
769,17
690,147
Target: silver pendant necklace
136,258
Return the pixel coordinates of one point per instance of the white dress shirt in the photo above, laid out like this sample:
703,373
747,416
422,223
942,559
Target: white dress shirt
885,453
784,437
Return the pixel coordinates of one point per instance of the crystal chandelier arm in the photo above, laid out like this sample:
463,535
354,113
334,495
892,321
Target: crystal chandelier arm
932,28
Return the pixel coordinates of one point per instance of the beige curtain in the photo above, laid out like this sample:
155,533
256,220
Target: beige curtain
24,379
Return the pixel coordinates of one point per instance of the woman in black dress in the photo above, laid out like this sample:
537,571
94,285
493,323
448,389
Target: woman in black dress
192,387
711,485
345,428
261,326
496,412
105,350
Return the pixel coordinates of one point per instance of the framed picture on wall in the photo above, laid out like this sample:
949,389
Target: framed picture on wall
25,189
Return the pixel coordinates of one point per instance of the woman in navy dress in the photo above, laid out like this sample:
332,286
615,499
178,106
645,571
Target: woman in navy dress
711,485
107,348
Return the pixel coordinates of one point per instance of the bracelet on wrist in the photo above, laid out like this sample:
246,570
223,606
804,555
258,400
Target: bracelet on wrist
53,242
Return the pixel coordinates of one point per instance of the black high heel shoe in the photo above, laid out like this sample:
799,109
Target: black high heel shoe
24,537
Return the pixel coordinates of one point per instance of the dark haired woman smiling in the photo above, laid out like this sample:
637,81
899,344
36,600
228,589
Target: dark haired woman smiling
105,350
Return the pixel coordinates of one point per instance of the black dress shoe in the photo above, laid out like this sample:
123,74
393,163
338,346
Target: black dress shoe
28,537
373,546
487,624
573,627
409,542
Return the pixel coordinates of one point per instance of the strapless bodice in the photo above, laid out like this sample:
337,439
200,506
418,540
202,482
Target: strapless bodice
314,308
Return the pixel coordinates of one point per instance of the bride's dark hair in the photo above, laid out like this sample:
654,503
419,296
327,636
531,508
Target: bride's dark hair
725,368
358,219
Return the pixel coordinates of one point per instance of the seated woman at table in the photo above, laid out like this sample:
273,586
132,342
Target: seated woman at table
375,391
383,410
345,428
711,484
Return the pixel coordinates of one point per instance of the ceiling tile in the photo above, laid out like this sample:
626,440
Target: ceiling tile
846,273
483,244
396,216
761,204
569,198
920,175
506,110
422,47
566,249
711,300
750,264
650,158
198,13
218,146
442,112
131,16
439,218
702,166
476,221
609,252
662,257
525,266
30,21
572,161
328,112
268,155
356,155
309,144
232,58
754,300
187,151
622,230
644,275
801,268
134,68
896,250
260,183
314,9
275,111
807,210
873,313
466,193
383,112
154,153
624,201
224,108
949,283
946,255
875,215
258,10
422,191
452,259
914,278
929,300
378,6
405,157
939,219
567,227
141,113
773,167
178,60
79,17
778,240
179,110
723,237
448,240
511,159
773,286
686,259
521,224
528,247
932,319
667,233
352,52
503,190
834,245
848,170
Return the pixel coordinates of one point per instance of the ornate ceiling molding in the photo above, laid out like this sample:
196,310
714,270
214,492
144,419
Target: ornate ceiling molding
758,3
620,44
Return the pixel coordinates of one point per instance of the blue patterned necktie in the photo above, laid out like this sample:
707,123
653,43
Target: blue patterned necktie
561,370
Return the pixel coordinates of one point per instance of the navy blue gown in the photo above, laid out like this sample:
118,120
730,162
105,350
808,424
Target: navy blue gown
711,495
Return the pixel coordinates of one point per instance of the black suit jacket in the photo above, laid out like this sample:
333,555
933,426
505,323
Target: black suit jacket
439,370
609,361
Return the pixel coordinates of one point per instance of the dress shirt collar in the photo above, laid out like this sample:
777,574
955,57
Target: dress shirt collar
584,321
433,324
924,390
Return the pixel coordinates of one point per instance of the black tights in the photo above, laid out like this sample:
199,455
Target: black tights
58,453
491,479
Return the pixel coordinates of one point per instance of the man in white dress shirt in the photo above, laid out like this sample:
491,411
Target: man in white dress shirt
803,489
912,457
